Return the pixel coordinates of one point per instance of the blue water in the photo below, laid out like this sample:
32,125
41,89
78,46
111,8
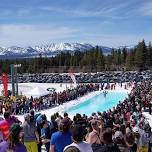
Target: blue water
98,103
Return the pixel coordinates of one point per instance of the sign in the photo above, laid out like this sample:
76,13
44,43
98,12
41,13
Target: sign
51,89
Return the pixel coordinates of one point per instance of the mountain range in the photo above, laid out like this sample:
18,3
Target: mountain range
46,50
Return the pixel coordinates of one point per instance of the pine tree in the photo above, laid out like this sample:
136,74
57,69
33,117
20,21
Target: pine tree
130,60
119,60
140,54
98,60
149,55
124,55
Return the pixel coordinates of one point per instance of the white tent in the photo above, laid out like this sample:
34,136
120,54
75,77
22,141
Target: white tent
36,92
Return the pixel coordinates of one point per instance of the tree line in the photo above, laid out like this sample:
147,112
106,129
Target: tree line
139,57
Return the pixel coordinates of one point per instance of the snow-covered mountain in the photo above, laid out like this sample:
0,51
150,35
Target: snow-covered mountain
47,50
128,47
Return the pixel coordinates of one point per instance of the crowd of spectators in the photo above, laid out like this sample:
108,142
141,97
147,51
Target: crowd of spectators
23,104
120,129
106,76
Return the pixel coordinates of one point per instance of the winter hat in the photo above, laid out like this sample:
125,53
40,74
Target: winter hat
136,130
118,134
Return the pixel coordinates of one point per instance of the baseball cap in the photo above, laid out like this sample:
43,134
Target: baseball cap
118,134
136,130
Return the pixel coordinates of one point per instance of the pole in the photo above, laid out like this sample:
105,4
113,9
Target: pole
12,79
16,80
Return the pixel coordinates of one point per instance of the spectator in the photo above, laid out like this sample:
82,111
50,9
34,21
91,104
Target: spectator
53,125
130,142
39,120
58,118
14,143
95,137
109,146
31,137
4,129
48,128
119,140
61,138
45,134
10,119
78,133
146,139
137,135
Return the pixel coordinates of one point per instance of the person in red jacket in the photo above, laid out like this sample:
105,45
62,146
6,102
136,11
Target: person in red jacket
6,124
4,129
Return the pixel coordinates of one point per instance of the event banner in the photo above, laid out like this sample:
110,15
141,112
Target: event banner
5,83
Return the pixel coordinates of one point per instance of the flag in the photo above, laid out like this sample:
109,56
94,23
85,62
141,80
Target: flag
72,75
5,83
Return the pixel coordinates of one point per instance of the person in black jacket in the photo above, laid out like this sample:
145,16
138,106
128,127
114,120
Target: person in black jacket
109,146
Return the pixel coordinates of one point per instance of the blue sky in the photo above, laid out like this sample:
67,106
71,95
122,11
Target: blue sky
103,22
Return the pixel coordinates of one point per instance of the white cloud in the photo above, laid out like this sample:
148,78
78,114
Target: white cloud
96,11
26,34
116,40
146,9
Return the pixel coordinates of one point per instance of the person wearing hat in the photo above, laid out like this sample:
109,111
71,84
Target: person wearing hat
137,134
61,138
14,142
78,134
119,140
130,142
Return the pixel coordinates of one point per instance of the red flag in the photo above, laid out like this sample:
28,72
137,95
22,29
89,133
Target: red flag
5,83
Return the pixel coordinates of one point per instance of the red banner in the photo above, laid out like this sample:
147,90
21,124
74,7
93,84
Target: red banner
5,83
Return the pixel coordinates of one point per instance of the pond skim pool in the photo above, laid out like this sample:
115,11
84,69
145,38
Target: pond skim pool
100,102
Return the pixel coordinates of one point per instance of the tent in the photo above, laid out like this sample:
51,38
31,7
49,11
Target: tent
37,92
